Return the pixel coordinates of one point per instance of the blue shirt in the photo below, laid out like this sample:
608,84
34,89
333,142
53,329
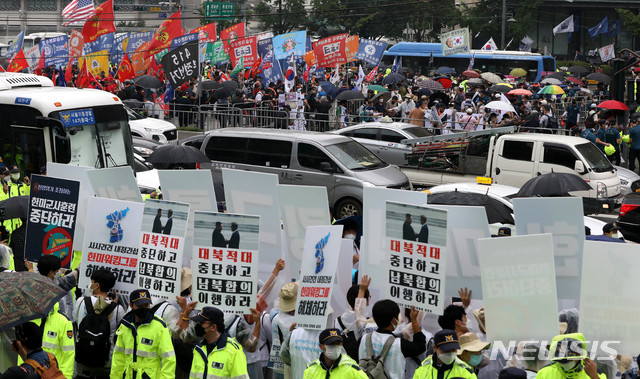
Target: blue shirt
612,136
572,113
588,134
602,137
634,134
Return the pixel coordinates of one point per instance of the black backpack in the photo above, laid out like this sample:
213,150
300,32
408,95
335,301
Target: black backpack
92,340
552,123
350,343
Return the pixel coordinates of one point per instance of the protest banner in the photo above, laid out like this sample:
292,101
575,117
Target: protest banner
519,288
111,241
455,41
225,262
76,44
162,247
231,34
136,40
289,43
300,207
206,33
351,46
344,275
181,64
56,50
97,62
608,300
371,51
116,183
318,271
32,55
331,50
246,49
416,262
53,209
563,218
179,41
216,53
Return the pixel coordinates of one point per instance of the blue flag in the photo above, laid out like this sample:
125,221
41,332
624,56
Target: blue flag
56,51
290,43
271,71
371,51
15,45
136,40
601,28
614,29
117,51
168,94
397,64
179,41
104,42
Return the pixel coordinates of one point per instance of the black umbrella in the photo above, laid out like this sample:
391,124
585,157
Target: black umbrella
424,92
15,207
147,81
552,184
230,84
177,156
497,212
600,78
440,97
556,75
208,85
350,95
222,93
444,70
329,89
578,70
385,95
500,88
393,78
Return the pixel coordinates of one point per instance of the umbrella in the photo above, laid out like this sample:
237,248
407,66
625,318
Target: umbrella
15,207
552,90
497,212
439,96
552,184
444,70
470,74
491,77
518,72
578,70
520,91
574,80
474,81
222,93
500,105
551,81
329,89
26,296
430,84
446,82
393,78
177,155
502,87
147,81
351,95
385,95
600,78
424,92
231,84
208,85
610,104
377,88
556,75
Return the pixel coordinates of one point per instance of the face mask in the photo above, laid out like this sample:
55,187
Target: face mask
475,360
332,351
199,330
141,313
615,235
568,366
350,236
15,176
447,358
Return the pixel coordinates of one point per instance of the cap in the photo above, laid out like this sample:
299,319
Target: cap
43,169
512,373
185,279
288,296
504,231
469,111
479,315
14,169
470,342
209,314
593,105
330,336
610,227
446,340
4,171
140,297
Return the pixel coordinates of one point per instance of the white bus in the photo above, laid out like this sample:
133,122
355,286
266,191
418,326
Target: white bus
41,123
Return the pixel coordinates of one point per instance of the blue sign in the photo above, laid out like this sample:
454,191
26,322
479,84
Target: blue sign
117,51
56,50
23,100
104,42
290,43
77,117
137,39
371,51
179,41
271,71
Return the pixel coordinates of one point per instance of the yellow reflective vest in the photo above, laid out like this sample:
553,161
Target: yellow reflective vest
459,369
226,360
347,368
143,351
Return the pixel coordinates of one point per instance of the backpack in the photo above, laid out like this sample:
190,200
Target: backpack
552,122
350,342
93,346
52,371
372,365
588,123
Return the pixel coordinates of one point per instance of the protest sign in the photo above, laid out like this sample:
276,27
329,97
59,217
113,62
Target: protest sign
318,271
563,218
161,247
181,64
231,34
56,50
416,262
225,261
300,207
331,50
246,49
115,183
371,51
52,218
111,242
76,44
32,55
344,275
608,300
519,288
136,40
179,41
455,41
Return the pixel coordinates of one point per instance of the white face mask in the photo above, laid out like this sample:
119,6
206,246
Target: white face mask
447,358
15,176
569,365
350,236
332,351
615,235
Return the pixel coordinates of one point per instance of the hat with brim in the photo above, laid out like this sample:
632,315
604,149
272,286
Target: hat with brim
185,279
479,315
330,336
211,314
470,342
288,296
446,340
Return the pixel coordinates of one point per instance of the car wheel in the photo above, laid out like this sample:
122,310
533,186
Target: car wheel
348,207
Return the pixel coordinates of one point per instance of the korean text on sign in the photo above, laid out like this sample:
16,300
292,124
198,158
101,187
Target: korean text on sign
160,264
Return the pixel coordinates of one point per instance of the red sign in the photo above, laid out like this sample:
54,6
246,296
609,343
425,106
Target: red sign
76,43
206,33
331,51
244,47
231,34
63,250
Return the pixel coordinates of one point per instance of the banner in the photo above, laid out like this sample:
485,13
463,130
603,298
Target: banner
179,41
15,45
216,53
455,41
138,60
118,49
310,58
116,183
100,22
231,34
56,50
519,288
607,53
351,46
97,62
111,241
225,261
290,43
181,64
136,40
161,247
416,259
319,264
76,44
32,55
371,51
52,218
270,69
331,51
244,48
206,33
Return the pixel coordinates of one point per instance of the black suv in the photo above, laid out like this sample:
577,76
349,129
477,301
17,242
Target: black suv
629,218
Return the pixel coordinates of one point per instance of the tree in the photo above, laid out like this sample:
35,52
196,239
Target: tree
281,16
631,20
430,17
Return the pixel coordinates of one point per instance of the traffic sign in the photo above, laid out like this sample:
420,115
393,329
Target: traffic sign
219,9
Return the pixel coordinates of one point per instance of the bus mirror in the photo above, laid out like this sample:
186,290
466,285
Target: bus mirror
61,142
52,123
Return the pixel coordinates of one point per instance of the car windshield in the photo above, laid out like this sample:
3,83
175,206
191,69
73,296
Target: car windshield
355,156
418,131
595,158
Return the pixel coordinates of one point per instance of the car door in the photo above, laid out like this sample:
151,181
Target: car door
514,163
391,150
369,137
306,170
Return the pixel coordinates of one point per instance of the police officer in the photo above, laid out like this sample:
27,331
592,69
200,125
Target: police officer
22,188
143,346
569,359
444,362
217,355
332,363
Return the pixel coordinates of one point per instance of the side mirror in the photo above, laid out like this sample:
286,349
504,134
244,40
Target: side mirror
579,167
326,167
61,142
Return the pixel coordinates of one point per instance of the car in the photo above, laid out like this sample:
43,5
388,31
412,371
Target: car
144,146
629,180
629,217
384,138
151,128
140,164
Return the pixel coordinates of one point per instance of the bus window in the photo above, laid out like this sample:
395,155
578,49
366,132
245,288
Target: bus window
549,64
21,143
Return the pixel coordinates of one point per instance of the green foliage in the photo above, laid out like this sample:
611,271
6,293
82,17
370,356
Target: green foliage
280,16
630,20
430,17
573,63
131,24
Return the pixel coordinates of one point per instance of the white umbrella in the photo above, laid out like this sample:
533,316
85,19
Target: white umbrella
551,81
491,77
501,106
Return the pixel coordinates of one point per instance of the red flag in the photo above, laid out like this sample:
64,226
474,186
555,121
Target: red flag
231,34
206,33
331,50
170,29
84,77
154,67
125,71
254,69
371,75
244,48
40,66
2,69
307,71
100,22
18,62
68,74
224,77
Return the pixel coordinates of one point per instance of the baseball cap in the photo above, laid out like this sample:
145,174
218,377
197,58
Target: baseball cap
209,314
43,169
140,297
329,336
504,231
446,340
593,105
610,227
5,171
512,373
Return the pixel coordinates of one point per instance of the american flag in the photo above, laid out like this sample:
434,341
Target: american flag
77,11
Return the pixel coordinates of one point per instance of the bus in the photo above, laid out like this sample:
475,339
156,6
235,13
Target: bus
416,56
33,39
40,123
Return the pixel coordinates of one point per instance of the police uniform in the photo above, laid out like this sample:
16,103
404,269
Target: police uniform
143,350
432,368
343,367
222,359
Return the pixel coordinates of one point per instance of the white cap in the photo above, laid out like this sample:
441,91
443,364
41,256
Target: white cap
543,102
469,111
593,105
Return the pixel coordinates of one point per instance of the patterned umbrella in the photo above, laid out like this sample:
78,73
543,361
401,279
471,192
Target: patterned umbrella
471,74
552,90
26,296
491,77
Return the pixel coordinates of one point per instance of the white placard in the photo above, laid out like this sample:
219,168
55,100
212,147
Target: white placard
319,264
161,247
519,287
300,207
344,273
563,218
609,297
111,241
116,183
416,256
